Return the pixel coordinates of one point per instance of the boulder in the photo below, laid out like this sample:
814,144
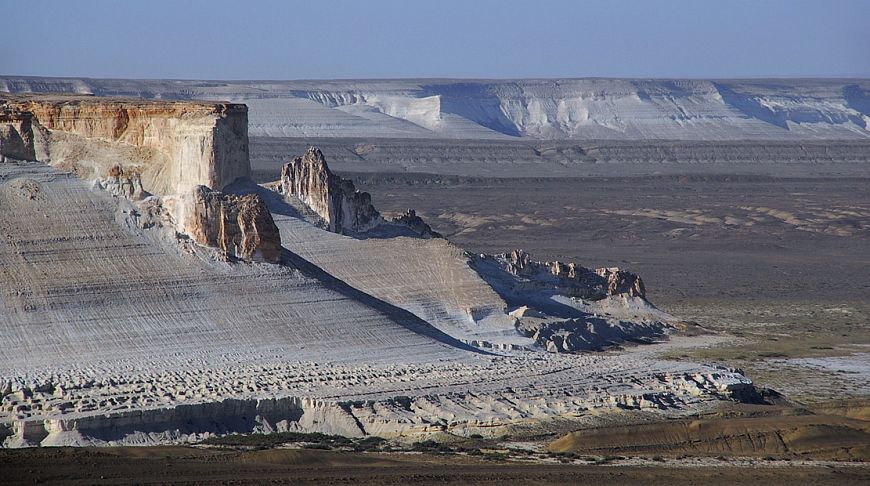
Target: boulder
241,226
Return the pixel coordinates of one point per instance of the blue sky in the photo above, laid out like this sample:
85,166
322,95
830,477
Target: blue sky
250,39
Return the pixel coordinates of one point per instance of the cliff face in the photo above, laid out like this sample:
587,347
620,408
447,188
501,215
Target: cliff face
174,145
336,200
136,148
16,135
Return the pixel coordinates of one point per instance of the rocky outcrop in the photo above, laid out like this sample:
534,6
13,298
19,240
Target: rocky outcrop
621,282
336,200
416,223
173,145
564,307
240,226
569,278
590,334
123,183
16,135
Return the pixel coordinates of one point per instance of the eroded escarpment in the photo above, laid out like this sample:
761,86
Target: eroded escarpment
65,413
565,307
550,109
173,145
569,278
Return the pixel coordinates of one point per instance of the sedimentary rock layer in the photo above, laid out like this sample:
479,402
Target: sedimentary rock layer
174,145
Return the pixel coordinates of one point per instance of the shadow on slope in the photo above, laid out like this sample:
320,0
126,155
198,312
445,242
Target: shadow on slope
278,205
475,102
751,107
401,316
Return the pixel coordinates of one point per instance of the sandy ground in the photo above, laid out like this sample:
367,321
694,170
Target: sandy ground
177,465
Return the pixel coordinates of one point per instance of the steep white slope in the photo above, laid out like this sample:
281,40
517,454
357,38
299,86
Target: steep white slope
82,287
429,277
298,117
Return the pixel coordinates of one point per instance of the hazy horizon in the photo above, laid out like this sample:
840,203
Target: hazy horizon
443,78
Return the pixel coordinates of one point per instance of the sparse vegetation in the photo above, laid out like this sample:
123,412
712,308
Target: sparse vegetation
313,440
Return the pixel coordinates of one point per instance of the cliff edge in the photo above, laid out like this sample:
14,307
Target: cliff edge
174,145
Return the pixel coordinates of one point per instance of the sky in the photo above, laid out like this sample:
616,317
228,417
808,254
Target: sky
325,39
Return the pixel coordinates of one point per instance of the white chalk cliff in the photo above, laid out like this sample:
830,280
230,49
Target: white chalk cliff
591,108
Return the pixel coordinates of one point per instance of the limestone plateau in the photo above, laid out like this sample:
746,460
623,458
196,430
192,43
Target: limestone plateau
546,109
150,292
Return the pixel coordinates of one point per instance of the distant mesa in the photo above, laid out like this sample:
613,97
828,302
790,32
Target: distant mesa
546,109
